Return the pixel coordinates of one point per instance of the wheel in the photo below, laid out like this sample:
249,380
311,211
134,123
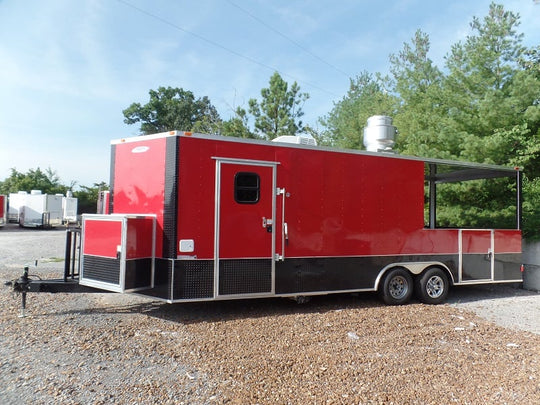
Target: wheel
397,287
432,286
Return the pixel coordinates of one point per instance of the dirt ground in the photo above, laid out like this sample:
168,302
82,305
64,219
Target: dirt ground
483,346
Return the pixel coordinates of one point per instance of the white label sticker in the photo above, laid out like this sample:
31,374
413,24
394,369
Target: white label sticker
140,149
187,245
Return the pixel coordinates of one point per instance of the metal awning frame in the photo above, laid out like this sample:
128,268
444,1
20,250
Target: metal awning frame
461,171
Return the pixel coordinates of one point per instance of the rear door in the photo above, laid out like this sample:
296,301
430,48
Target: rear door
244,227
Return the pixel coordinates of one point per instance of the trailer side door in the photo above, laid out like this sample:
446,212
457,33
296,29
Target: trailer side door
244,227
476,255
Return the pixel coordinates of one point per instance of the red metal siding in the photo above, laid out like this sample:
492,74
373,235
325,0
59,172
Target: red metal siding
344,204
139,181
476,241
196,184
2,208
340,204
101,237
507,241
429,241
139,238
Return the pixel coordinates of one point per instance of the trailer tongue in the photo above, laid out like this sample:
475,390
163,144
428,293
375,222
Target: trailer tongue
69,283
195,217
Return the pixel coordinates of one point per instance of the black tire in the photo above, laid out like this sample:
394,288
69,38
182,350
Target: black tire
397,287
432,286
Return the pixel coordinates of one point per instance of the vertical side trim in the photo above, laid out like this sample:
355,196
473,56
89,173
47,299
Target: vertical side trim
171,286
519,204
460,254
123,254
492,255
432,196
170,203
274,197
217,195
111,183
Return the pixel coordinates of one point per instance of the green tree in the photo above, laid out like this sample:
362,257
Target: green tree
367,95
482,76
492,92
483,107
35,179
237,126
173,109
422,114
87,197
280,109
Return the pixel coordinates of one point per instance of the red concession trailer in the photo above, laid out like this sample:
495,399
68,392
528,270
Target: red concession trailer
3,210
201,217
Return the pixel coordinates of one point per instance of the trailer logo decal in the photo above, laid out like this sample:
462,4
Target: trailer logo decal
140,149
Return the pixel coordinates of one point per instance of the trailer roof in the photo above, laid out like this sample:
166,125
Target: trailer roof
454,170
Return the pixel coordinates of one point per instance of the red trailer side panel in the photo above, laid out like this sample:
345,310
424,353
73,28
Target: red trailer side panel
508,241
139,243
3,209
341,205
139,180
196,191
102,238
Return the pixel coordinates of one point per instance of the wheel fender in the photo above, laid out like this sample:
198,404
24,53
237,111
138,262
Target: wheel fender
414,268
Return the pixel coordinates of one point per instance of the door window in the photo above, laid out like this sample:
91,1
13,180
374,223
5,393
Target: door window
247,187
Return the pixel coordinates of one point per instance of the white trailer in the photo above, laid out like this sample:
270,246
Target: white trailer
69,209
16,200
41,210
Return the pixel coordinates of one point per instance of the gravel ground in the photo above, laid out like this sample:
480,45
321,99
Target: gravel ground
482,347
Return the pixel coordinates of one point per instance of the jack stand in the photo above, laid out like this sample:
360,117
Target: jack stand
22,286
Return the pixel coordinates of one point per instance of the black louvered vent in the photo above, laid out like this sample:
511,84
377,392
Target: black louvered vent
193,279
101,269
245,276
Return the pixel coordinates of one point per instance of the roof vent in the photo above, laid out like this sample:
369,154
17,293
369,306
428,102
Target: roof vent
379,134
299,140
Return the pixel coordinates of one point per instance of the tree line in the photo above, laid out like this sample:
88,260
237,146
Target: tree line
278,112
482,105
49,182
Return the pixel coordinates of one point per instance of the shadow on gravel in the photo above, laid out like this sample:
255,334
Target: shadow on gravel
215,311
231,310
474,293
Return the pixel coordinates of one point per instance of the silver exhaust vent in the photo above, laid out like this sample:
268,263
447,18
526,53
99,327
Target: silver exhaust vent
379,134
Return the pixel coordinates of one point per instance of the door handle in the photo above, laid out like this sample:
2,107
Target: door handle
267,223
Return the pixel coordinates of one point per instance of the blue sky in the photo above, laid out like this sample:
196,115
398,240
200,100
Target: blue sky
69,67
